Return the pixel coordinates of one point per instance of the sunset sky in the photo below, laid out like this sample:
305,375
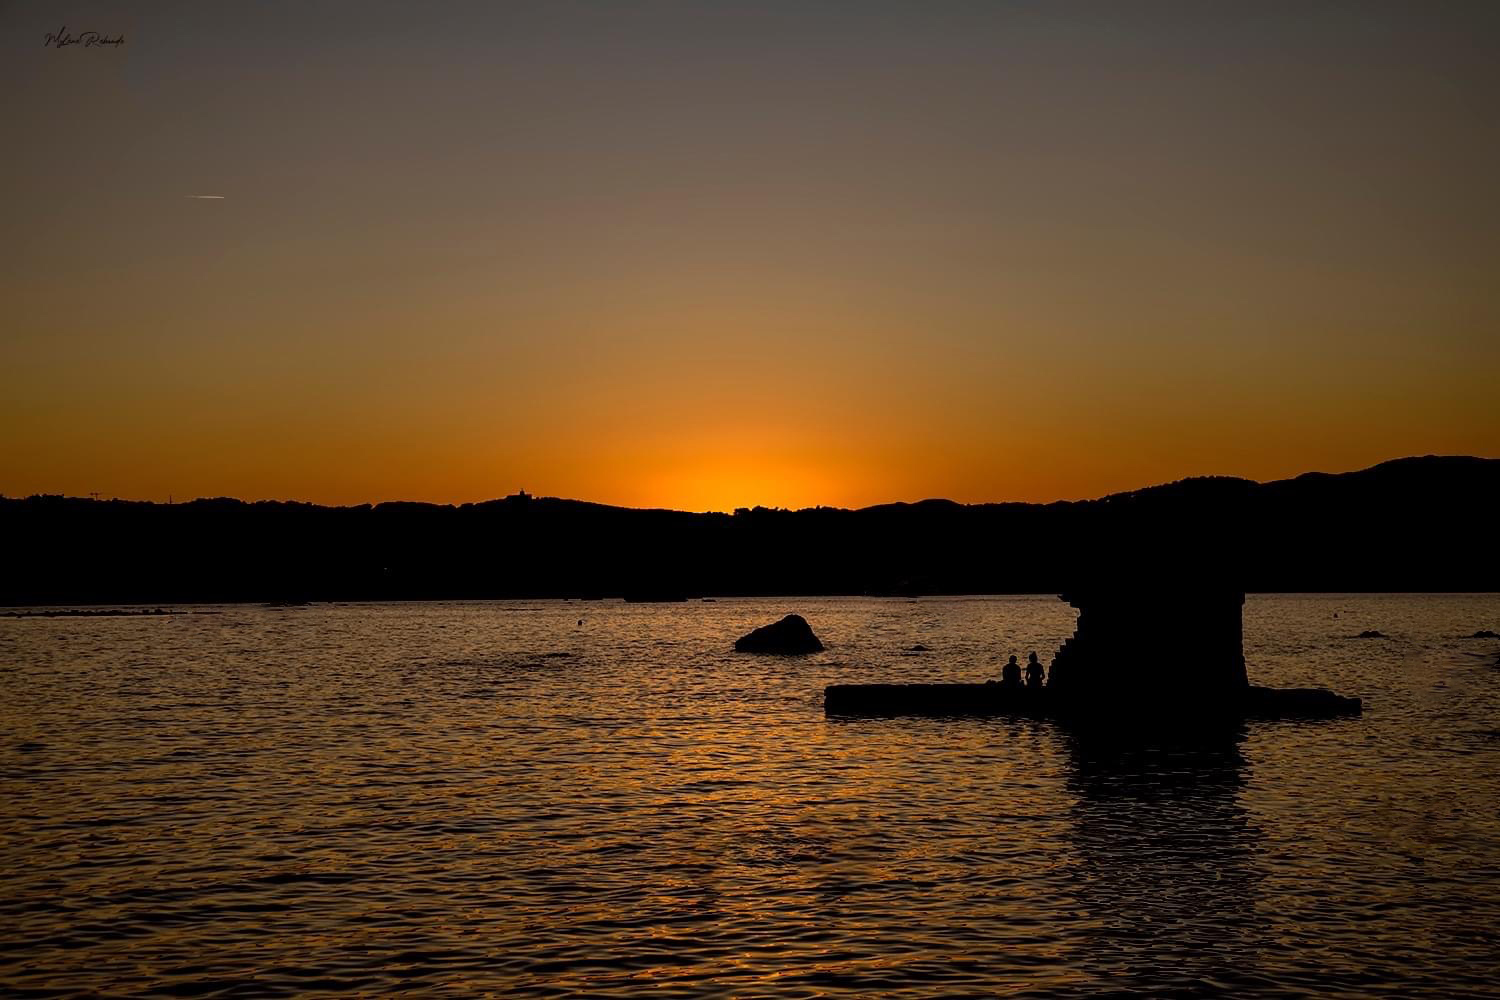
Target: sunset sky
713,254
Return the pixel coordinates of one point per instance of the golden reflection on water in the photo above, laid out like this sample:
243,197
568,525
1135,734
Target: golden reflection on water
416,797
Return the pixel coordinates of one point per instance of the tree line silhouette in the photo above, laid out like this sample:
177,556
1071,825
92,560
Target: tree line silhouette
1416,524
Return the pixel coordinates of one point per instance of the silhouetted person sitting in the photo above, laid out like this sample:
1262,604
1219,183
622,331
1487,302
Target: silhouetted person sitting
1010,677
1034,672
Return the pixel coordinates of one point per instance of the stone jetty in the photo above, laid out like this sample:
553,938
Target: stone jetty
1134,655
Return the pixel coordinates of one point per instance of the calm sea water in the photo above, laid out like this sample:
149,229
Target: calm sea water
600,799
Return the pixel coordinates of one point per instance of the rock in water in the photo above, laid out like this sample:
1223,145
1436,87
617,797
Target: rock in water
790,635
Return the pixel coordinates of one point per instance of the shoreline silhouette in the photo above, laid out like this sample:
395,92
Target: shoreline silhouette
1409,525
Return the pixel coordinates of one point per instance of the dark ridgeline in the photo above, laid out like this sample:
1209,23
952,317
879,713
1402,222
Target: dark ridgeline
1412,524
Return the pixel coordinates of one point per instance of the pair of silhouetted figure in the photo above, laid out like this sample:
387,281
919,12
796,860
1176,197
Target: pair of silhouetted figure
1010,677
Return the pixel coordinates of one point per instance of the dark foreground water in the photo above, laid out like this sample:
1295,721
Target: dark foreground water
496,798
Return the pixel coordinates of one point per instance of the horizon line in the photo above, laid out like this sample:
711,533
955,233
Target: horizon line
97,498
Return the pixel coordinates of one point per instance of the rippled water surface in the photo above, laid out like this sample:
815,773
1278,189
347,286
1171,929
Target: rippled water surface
550,798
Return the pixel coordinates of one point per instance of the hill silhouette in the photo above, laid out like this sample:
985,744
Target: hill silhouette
1414,524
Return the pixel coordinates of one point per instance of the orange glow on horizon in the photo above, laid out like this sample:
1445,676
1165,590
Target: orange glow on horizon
604,254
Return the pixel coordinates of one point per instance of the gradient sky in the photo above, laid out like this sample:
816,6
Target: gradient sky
713,254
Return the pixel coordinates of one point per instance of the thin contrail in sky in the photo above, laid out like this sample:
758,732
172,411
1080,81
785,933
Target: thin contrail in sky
206,197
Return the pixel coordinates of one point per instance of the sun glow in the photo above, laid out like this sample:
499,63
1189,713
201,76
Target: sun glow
1031,266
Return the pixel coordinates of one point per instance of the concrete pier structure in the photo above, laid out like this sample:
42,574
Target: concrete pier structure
1138,655
1135,643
